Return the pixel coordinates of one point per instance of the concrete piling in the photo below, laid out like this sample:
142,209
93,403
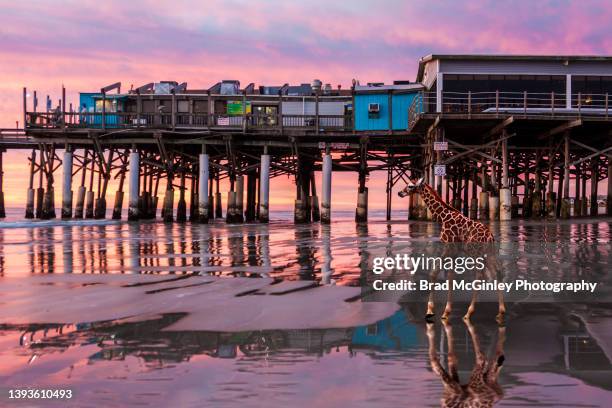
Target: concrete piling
326,183
361,213
239,200
30,194
264,188
2,209
67,185
134,187
181,207
203,193
505,198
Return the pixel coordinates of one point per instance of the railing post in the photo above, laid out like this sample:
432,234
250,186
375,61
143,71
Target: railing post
244,112
579,104
25,106
103,110
317,112
607,106
497,103
138,108
173,109
280,112
525,103
552,103
63,117
469,104
211,108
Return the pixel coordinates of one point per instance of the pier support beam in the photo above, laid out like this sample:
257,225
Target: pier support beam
204,171
326,189
483,203
565,203
89,197
67,185
251,198
264,188
40,191
578,199
609,200
119,195
79,206
48,210
181,207
536,199
2,209
218,203
594,185
361,213
505,197
134,171
168,210
314,199
30,194
239,203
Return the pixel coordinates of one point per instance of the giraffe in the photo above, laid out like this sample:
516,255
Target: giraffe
482,390
456,227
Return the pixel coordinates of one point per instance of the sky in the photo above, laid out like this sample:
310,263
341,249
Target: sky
85,45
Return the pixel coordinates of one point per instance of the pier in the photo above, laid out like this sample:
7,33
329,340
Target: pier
533,142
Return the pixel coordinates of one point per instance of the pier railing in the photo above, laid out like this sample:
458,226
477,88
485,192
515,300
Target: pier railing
59,120
517,103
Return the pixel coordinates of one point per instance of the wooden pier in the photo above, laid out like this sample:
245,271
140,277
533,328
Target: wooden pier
491,154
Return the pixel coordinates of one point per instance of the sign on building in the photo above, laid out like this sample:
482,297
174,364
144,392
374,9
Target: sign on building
234,108
441,146
440,170
223,121
334,146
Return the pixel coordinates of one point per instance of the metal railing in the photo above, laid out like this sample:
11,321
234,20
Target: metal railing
526,103
163,120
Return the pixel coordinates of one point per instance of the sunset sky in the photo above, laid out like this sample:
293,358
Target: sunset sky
88,44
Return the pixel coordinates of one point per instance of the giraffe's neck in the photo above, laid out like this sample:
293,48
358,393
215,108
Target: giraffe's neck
435,204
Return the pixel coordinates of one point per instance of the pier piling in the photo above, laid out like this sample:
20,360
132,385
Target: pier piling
181,207
264,188
203,194
134,188
30,194
67,185
326,188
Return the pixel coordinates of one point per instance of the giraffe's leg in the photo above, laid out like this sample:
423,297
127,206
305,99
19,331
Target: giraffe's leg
471,307
448,307
499,353
452,357
495,272
433,277
501,313
475,342
433,356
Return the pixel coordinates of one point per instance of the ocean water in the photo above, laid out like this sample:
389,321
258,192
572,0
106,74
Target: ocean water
556,352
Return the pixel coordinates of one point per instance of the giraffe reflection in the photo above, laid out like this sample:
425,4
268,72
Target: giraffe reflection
482,389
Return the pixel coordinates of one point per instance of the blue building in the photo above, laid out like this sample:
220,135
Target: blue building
91,102
384,107
392,333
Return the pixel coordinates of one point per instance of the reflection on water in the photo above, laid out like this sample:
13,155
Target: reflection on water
556,354
394,361
339,253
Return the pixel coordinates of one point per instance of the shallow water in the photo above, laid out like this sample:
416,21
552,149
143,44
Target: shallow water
556,353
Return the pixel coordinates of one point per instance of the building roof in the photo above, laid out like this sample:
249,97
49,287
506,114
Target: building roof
507,57
382,87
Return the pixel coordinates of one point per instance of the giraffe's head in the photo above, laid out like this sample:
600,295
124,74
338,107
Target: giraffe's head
412,187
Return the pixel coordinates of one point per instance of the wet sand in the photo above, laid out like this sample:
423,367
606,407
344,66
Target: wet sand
269,315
